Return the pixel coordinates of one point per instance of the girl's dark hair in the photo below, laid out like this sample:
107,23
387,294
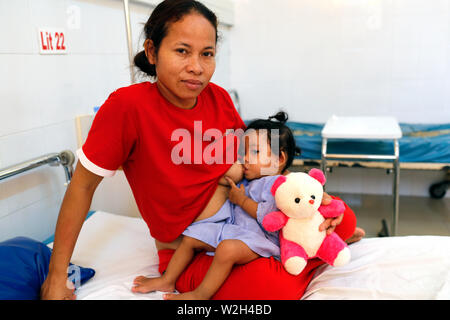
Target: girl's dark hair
286,137
156,27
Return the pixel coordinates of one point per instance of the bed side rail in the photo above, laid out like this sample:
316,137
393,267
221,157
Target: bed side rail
65,158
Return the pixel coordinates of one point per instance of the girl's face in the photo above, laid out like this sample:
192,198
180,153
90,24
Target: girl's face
259,160
185,61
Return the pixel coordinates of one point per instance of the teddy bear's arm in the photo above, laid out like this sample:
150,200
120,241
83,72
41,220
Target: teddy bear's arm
274,221
334,209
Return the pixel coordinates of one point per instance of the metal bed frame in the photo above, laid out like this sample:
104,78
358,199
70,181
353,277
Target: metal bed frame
65,158
394,158
126,10
436,190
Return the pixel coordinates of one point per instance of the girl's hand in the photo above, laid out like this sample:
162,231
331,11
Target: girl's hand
329,224
236,195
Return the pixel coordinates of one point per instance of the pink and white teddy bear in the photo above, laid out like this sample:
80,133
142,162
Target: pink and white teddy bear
298,196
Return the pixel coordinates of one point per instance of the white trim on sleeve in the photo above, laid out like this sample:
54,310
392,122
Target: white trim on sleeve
93,167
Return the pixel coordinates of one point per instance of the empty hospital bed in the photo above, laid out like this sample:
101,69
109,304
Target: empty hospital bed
422,147
119,248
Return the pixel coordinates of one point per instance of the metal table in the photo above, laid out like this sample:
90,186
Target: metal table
366,128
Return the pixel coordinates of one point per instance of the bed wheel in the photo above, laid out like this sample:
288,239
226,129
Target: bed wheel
438,190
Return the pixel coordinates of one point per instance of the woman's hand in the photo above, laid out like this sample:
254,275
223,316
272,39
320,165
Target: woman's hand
57,288
236,195
329,224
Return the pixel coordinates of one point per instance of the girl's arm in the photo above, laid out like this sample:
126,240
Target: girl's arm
238,197
248,205
74,208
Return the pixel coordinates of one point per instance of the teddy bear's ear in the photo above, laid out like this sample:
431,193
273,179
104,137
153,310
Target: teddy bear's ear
318,175
280,180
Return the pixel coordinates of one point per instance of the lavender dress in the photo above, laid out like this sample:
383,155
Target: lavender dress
232,222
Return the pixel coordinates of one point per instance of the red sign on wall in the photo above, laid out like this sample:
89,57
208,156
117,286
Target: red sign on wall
52,41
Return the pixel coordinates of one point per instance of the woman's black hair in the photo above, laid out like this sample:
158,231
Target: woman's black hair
156,27
286,137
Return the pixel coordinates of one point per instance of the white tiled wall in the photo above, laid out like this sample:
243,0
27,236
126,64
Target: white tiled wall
349,57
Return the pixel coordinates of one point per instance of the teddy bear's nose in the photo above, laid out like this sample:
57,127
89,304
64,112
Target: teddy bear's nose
311,201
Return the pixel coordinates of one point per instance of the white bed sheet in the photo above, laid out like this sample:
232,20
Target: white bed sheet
120,248
413,268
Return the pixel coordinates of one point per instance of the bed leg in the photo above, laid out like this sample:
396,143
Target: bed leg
384,229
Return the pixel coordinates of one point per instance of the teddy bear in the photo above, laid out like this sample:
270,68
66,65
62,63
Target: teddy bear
298,197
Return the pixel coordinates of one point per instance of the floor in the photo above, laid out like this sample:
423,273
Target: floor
417,215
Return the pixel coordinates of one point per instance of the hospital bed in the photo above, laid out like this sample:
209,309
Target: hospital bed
422,147
119,248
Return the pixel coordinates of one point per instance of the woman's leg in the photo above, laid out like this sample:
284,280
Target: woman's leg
262,278
180,259
227,254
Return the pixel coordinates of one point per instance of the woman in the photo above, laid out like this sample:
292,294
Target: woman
135,129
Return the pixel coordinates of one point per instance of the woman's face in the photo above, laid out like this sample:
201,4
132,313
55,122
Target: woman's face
185,61
259,160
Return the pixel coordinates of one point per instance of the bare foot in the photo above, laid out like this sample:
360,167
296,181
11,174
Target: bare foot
191,295
144,285
358,235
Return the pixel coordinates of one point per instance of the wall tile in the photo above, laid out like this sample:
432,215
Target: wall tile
36,221
60,137
22,146
19,97
27,188
15,27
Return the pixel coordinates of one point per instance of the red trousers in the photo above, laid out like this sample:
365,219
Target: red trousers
261,279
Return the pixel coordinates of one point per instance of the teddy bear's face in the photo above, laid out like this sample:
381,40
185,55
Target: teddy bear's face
299,196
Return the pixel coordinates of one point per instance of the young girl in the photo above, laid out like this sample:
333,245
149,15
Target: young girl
234,233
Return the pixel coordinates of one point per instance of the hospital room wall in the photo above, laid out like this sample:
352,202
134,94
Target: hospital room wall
316,58
42,95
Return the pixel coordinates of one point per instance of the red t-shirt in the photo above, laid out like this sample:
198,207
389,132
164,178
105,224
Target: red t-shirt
138,129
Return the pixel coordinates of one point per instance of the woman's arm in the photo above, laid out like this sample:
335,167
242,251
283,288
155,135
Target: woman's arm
75,206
